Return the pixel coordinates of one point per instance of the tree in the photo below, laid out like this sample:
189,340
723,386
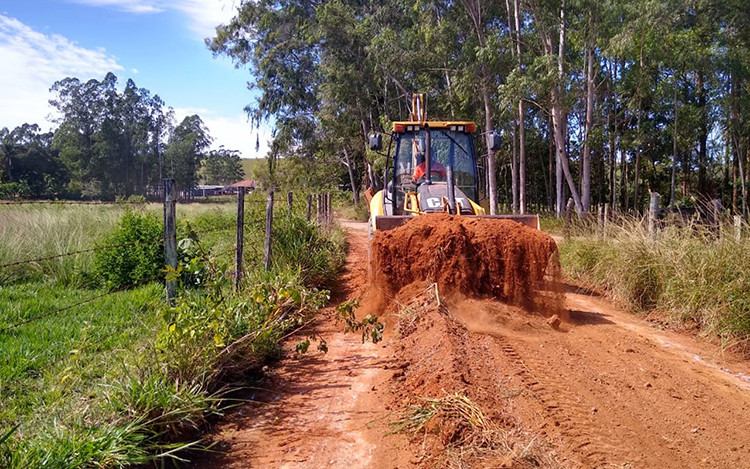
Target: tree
185,151
222,167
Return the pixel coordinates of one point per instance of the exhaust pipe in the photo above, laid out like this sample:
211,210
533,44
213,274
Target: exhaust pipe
451,191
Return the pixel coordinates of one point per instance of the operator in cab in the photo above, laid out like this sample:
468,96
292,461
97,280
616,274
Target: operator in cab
420,170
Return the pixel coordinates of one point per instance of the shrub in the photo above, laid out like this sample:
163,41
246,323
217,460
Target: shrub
14,190
299,244
137,252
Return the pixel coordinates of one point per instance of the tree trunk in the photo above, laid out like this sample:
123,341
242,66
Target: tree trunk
348,163
586,173
612,94
674,150
514,167
734,137
550,165
560,117
521,117
639,153
702,136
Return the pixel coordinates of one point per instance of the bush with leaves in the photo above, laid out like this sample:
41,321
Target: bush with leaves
137,253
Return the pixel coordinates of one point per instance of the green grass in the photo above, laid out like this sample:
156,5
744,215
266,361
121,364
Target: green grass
685,272
127,379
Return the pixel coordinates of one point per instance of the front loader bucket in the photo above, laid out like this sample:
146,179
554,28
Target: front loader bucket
389,222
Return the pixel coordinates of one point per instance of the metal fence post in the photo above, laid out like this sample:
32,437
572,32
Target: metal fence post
170,237
269,224
738,228
290,200
653,214
240,237
568,213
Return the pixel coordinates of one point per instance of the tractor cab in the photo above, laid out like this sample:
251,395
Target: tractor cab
433,168
424,154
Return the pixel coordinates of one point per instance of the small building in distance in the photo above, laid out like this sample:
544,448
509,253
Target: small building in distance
248,184
207,190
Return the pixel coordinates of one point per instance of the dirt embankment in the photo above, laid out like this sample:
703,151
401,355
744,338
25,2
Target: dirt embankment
601,390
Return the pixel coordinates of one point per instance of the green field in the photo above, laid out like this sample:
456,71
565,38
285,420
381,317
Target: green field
124,378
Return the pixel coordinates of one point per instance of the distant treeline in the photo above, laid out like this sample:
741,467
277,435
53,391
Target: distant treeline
598,100
108,144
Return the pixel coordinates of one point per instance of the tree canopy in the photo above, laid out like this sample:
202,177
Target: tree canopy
601,101
109,143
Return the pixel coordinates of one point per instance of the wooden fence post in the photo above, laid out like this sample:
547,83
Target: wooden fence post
170,237
600,220
568,213
319,209
290,200
269,225
653,214
607,215
329,209
308,208
716,215
240,237
738,228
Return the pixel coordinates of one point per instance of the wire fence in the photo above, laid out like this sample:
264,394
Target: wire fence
324,217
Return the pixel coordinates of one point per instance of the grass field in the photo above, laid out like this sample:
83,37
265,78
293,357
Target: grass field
125,378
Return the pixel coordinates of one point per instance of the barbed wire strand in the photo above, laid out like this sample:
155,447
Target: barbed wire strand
78,303
110,246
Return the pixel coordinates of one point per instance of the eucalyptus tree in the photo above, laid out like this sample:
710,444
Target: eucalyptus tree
185,150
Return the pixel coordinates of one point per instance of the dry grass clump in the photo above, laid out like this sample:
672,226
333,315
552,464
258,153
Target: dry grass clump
470,436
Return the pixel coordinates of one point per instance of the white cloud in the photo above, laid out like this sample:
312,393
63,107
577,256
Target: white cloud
232,132
206,15
32,62
203,15
130,6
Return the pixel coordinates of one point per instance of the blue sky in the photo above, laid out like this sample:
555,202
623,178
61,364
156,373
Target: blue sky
157,43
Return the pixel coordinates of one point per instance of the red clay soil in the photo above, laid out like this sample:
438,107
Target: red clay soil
604,389
471,256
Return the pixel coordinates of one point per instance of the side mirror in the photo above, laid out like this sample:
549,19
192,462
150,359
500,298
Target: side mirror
376,142
495,140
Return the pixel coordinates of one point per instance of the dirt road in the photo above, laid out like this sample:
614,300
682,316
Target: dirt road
605,390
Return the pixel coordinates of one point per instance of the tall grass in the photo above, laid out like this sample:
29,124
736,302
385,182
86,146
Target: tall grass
688,272
34,231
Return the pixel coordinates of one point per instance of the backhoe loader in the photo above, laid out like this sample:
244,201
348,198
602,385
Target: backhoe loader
433,168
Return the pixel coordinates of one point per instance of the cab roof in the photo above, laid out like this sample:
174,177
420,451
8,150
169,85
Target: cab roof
408,126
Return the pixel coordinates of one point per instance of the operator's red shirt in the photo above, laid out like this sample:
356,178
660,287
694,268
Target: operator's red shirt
421,169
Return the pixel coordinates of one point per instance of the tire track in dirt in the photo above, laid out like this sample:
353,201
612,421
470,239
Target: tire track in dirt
569,420
618,393
566,419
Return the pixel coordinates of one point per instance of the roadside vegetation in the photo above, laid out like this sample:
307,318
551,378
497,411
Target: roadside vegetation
126,379
690,274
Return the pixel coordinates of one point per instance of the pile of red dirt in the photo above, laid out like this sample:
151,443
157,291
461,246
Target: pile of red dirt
474,257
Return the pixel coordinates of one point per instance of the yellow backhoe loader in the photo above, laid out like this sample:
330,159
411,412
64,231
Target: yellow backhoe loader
433,168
